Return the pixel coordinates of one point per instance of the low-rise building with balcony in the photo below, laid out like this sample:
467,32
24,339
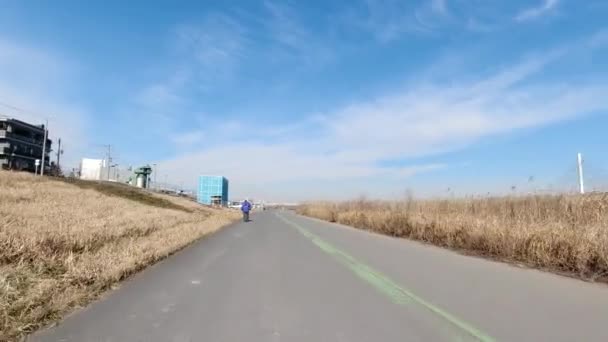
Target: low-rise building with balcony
21,144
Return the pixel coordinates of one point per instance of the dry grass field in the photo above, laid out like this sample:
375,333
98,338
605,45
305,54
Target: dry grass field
566,234
64,243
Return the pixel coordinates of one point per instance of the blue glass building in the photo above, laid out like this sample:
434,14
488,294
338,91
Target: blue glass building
213,190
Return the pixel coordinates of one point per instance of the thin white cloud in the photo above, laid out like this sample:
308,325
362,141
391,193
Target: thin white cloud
34,87
213,49
256,164
427,121
599,39
354,144
476,25
206,55
156,95
389,20
291,38
535,12
187,139
439,6
284,26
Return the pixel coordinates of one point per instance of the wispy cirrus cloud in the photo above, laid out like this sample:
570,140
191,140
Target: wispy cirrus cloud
187,139
388,20
213,48
213,55
476,25
535,12
433,119
599,39
440,6
205,56
290,38
377,137
284,27
355,143
38,84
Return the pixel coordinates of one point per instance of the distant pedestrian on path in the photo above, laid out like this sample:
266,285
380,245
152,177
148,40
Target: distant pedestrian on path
246,208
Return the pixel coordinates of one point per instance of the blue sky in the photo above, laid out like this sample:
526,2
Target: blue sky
320,99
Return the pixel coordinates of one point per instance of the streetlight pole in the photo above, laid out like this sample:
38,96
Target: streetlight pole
46,132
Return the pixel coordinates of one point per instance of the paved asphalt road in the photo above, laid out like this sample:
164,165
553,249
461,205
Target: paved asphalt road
287,278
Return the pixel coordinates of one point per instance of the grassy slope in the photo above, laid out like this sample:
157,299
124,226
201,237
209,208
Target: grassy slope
63,244
565,234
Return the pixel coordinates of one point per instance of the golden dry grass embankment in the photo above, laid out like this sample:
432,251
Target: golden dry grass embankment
63,243
564,233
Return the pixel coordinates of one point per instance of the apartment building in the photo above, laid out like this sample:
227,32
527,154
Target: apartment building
21,144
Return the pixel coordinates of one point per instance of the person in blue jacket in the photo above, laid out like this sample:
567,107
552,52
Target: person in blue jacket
246,208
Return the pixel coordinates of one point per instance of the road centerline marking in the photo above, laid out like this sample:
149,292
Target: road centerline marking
397,293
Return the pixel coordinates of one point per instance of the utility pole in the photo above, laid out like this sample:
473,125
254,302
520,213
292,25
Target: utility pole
116,171
46,132
581,182
155,172
109,160
59,152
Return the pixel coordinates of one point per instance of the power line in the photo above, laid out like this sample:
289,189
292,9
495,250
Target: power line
12,107
20,109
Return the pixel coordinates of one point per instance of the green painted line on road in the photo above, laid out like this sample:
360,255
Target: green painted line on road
386,286
381,284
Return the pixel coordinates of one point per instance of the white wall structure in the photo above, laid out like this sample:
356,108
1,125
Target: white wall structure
91,169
